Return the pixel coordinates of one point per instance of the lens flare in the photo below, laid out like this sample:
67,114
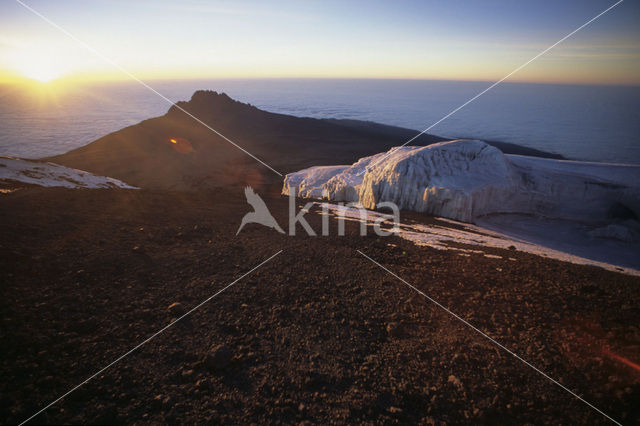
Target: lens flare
181,145
583,340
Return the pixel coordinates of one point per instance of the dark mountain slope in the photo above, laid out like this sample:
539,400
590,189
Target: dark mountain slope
145,155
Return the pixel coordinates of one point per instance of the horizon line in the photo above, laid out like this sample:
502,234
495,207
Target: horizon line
24,81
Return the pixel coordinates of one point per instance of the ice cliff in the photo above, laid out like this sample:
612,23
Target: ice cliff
469,179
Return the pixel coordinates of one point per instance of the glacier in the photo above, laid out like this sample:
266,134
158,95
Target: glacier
574,211
469,180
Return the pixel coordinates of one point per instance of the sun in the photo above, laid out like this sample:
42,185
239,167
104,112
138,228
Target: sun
42,75
39,66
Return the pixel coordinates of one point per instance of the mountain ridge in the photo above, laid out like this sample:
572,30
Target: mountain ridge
144,154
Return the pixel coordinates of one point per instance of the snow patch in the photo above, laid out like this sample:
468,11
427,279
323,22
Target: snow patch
628,231
50,174
475,239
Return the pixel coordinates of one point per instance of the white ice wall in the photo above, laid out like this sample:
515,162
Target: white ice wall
468,179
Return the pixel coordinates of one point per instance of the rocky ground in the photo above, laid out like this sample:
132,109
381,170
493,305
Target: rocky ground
319,334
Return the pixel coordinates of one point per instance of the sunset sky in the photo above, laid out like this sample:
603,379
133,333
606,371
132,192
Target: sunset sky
444,39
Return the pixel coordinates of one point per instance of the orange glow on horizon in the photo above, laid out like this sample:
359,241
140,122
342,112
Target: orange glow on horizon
563,76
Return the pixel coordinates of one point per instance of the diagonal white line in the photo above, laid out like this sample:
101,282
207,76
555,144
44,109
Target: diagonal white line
148,339
498,82
482,333
123,70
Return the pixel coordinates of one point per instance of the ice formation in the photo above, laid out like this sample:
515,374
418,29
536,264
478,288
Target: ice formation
468,179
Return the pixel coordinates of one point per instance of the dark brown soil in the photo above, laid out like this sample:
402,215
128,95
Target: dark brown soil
319,334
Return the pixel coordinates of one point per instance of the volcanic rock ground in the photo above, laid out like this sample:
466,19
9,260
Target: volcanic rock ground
318,334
